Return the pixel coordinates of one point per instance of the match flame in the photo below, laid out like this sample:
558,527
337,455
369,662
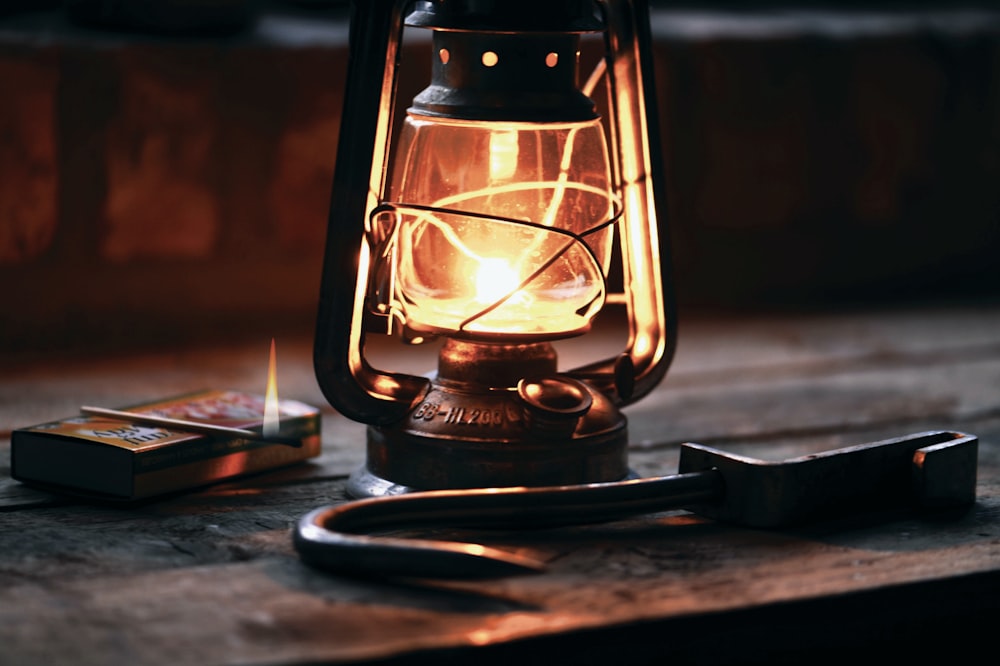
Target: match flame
272,423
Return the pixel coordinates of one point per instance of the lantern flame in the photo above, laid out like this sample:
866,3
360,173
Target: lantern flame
494,280
272,422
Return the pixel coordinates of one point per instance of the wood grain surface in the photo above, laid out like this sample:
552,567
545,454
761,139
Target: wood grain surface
211,577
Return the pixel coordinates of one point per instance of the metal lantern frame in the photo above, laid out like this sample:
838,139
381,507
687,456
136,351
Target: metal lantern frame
381,398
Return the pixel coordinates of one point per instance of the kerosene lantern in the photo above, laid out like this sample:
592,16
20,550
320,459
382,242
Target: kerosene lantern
486,215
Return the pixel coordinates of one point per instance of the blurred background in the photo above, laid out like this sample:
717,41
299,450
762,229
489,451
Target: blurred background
165,165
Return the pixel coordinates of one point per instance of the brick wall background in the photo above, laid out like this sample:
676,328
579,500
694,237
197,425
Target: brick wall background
160,188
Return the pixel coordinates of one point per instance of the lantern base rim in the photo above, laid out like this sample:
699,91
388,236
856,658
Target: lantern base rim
365,483
497,416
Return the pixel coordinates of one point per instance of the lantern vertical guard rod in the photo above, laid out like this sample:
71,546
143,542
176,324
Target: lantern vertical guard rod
653,336
652,311
348,382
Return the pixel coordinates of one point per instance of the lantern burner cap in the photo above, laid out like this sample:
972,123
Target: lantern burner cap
506,77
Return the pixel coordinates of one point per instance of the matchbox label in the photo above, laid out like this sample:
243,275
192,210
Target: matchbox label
228,408
115,433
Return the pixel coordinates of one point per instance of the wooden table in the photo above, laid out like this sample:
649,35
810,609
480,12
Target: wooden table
211,577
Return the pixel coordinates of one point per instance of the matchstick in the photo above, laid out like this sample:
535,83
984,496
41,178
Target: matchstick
187,426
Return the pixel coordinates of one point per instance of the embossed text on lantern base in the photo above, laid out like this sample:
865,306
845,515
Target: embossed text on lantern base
497,415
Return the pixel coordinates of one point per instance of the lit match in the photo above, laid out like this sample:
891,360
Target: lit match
272,420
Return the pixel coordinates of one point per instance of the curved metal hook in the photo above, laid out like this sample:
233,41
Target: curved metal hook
329,537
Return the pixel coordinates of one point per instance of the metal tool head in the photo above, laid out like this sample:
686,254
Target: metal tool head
928,470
